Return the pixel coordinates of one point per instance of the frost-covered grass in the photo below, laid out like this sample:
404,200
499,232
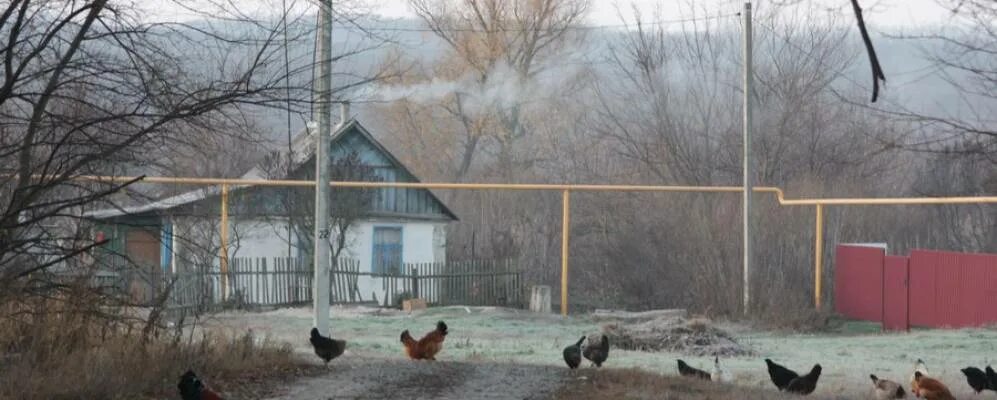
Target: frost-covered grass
490,334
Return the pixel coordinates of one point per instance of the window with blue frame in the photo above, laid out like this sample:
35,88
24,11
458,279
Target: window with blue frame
387,250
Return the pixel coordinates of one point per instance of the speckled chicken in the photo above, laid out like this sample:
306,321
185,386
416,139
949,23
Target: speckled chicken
598,353
886,389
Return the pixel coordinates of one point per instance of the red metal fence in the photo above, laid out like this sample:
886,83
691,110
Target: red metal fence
928,288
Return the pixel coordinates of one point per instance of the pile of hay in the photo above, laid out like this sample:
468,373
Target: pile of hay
695,337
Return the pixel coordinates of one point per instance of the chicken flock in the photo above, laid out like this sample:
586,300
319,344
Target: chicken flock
922,384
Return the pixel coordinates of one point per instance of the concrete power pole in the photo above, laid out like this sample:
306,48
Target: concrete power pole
746,137
320,295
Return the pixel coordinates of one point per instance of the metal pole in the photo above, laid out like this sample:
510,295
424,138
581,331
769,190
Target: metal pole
818,254
321,236
746,137
223,250
565,229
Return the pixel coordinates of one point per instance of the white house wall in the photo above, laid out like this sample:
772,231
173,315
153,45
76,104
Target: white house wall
422,242
419,245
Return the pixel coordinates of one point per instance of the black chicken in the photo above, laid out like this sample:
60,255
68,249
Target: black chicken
597,354
977,379
991,378
573,354
326,348
691,372
781,376
806,383
191,388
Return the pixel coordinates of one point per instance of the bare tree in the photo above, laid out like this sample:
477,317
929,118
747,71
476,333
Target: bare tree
90,87
498,43
965,52
670,109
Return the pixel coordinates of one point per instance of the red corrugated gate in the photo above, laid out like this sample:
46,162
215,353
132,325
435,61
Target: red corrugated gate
895,293
929,288
858,282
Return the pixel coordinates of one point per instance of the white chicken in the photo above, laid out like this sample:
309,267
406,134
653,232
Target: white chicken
719,374
923,369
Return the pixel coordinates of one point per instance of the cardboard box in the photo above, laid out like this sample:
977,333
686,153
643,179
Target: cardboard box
413,304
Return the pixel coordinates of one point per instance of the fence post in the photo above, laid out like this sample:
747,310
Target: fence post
565,234
818,254
415,283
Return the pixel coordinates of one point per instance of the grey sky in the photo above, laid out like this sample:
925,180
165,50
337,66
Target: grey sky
885,13
880,14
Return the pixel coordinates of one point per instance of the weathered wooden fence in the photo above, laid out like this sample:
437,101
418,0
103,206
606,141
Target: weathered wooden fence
474,283
276,282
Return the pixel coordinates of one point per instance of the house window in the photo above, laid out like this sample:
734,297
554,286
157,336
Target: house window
387,250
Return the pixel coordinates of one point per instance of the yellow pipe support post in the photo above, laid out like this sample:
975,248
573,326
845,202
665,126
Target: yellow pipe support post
223,250
818,254
565,229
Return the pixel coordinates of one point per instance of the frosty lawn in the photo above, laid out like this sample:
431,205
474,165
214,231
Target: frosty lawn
482,334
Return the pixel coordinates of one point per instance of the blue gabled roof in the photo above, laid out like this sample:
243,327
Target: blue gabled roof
354,137
348,137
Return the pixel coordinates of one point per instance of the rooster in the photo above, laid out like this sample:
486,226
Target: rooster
427,347
977,379
781,376
599,353
692,372
886,389
191,388
923,369
931,389
573,354
806,383
326,348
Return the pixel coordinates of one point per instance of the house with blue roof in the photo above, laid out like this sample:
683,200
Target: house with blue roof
182,233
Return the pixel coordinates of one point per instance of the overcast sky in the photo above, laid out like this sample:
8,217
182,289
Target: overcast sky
884,13
879,14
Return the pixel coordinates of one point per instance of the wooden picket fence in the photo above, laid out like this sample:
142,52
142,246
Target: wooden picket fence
473,283
278,282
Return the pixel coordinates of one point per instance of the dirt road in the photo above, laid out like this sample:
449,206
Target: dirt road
381,378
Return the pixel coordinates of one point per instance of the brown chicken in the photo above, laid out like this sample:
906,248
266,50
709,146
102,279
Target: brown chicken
931,389
427,347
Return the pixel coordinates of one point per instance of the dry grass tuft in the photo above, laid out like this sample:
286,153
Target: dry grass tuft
48,350
592,384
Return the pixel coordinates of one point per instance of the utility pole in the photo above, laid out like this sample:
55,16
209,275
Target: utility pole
746,158
320,295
